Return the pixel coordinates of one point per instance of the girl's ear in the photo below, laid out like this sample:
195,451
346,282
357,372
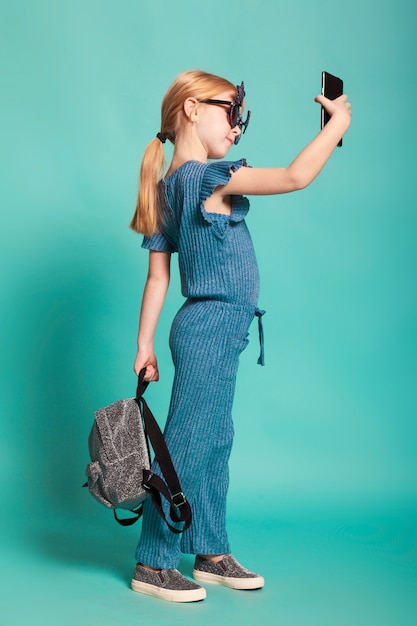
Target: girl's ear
190,107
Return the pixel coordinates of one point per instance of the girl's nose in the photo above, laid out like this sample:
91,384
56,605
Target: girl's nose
236,131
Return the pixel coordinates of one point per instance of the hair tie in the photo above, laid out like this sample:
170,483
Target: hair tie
161,137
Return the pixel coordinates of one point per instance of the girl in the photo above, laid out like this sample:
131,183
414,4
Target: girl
197,209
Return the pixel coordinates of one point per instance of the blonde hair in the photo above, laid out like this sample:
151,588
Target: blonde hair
194,83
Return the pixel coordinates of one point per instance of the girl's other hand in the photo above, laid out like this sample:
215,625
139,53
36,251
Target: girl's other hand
149,361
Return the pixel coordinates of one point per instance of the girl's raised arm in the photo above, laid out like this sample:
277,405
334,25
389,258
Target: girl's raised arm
153,299
305,167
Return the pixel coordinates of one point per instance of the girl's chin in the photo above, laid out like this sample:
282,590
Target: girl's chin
219,154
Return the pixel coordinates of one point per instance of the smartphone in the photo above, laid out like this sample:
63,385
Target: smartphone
332,88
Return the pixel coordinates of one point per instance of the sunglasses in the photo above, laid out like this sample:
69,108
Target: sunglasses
234,113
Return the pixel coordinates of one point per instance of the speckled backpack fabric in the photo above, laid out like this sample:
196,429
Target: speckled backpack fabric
119,474
120,453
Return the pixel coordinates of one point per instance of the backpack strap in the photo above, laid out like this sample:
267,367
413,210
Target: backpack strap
128,521
180,510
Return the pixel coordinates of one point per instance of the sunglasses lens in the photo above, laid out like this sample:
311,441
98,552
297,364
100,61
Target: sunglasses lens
234,115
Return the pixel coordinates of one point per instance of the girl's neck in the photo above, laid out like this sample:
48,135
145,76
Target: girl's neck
187,148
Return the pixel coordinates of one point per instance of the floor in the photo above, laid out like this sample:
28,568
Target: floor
328,565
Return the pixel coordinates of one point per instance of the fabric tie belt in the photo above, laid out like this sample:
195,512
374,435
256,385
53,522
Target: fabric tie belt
259,313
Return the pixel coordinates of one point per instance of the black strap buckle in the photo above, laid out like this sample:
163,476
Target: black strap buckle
179,499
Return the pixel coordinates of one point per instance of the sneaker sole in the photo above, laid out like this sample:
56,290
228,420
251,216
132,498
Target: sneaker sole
172,595
227,581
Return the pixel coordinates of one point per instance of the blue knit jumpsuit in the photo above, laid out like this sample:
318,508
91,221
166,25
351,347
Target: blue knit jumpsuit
219,278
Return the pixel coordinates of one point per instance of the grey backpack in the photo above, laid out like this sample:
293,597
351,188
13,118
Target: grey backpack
119,474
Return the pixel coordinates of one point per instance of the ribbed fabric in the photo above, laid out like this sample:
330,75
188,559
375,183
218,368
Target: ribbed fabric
215,252
220,279
206,340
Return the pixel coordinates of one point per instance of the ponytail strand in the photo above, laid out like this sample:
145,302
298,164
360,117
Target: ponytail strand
146,219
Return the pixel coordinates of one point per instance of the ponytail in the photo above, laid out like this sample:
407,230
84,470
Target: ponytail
147,218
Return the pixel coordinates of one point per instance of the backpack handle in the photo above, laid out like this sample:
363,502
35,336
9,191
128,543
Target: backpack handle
142,383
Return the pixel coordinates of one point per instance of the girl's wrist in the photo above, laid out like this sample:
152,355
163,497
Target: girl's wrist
342,118
145,347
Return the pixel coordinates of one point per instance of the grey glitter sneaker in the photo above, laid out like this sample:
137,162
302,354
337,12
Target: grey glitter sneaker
227,572
167,584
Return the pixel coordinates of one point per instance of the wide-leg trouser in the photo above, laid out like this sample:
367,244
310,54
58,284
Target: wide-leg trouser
207,337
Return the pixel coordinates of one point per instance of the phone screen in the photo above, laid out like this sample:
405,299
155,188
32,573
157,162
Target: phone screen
332,88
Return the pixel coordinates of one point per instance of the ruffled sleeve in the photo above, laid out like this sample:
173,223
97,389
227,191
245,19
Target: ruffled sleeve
158,242
217,174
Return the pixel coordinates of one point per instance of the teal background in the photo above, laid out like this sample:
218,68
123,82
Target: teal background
324,469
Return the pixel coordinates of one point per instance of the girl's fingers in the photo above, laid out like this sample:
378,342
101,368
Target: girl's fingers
151,374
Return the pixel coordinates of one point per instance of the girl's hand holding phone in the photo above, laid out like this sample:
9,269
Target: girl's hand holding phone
338,111
339,105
